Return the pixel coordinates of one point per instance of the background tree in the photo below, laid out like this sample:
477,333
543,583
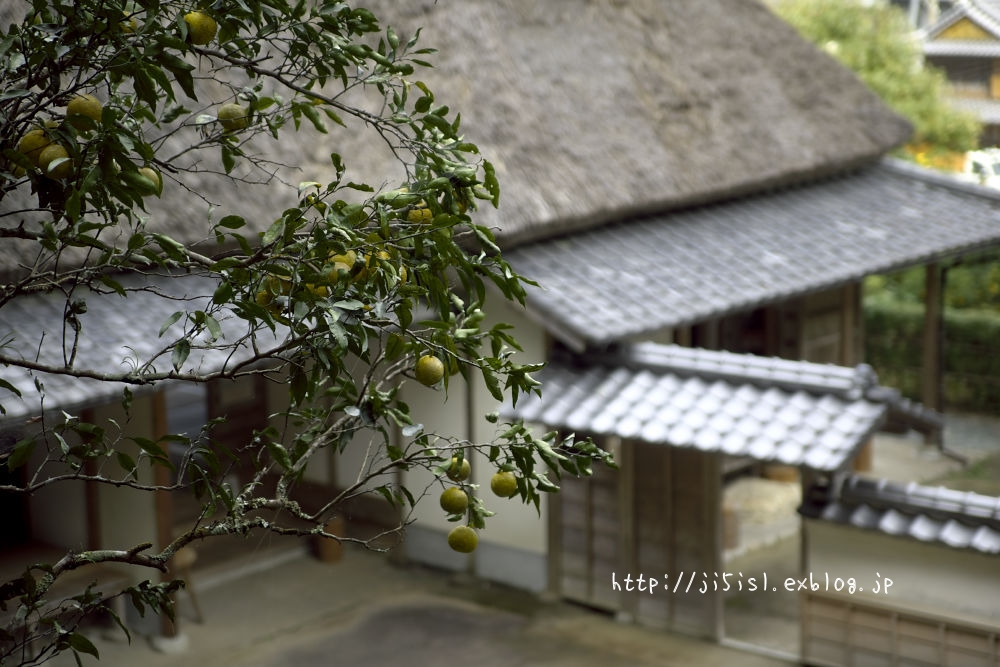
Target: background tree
114,114
877,43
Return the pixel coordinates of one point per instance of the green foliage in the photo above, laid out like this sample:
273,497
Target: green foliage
972,283
876,42
894,347
354,281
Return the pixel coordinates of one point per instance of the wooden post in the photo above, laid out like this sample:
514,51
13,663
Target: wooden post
553,573
163,502
92,492
624,452
710,335
849,353
713,536
932,372
682,336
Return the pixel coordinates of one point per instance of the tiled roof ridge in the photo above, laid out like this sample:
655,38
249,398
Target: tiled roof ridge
966,507
742,368
937,178
988,16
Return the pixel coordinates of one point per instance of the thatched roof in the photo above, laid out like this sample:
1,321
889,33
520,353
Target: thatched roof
593,110
596,110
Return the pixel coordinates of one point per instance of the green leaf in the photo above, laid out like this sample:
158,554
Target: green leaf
152,448
274,232
491,183
9,387
228,161
395,346
299,385
13,94
491,383
125,462
174,249
113,284
310,112
423,105
232,222
21,453
181,71
81,644
213,327
223,293
170,322
181,351
333,116
278,453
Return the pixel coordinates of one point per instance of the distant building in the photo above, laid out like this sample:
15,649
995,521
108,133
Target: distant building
923,12
964,42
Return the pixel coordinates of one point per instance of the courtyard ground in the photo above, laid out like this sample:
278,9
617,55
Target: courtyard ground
286,608
278,606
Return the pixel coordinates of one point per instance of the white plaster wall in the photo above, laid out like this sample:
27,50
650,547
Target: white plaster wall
128,516
318,469
516,525
58,512
444,414
932,576
512,547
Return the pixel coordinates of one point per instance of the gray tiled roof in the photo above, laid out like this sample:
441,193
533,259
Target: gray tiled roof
988,111
791,412
985,13
111,334
637,278
959,519
963,47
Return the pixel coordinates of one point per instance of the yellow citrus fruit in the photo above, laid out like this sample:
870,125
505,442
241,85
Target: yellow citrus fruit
463,539
340,266
420,214
234,117
322,291
266,299
33,143
371,263
85,105
347,258
153,176
50,154
130,25
201,27
454,500
504,484
11,168
279,285
459,472
429,370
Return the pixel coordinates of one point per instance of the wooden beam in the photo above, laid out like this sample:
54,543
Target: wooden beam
669,528
555,546
772,331
712,463
682,336
92,492
162,500
627,557
708,334
932,374
849,317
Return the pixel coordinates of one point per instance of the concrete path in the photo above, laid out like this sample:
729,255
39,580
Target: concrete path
366,611
280,607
